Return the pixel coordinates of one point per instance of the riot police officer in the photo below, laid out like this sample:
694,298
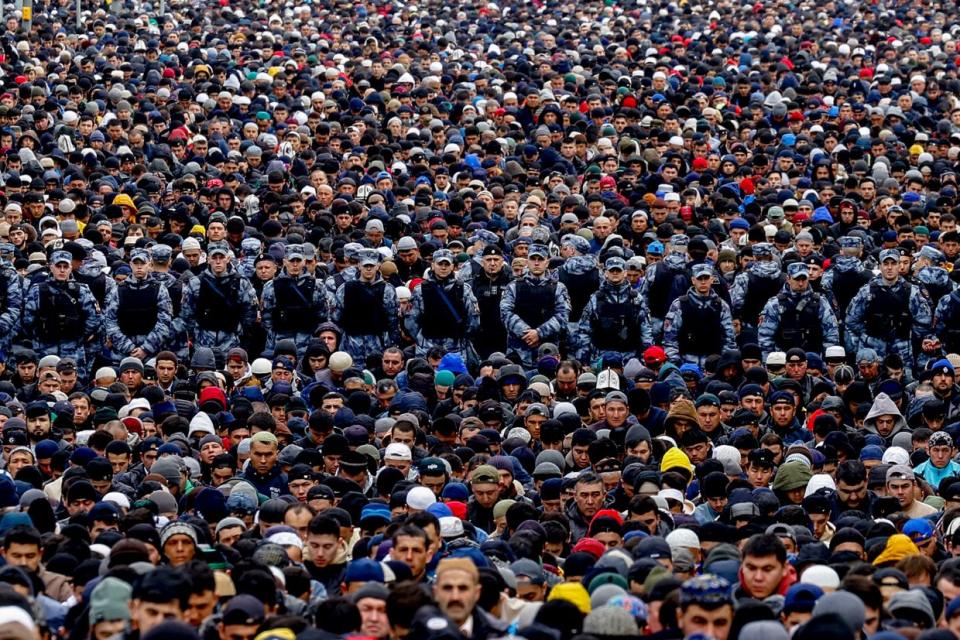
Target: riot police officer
535,308
443,310
488,286
139,313
699,323
218,304
365,308
614,321
797,317
60,314
888,314
294,303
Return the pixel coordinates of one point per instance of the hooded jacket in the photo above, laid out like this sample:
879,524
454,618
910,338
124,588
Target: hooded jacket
883,405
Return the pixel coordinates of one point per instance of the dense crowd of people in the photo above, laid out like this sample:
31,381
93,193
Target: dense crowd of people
463,321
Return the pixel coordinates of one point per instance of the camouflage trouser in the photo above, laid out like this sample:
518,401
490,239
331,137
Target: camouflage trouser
903,348
362,347
74,349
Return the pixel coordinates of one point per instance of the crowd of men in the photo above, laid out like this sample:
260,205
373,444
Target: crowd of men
415,320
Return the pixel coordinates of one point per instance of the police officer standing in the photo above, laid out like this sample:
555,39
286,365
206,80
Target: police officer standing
888,314
488,286
797,317
535,308
761,281
699,323
443,310
139,315
61,314
294,303
366,309
614,321
218,305
666,281
11,297
846,275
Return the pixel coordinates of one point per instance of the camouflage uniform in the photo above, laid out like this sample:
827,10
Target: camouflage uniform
753,288
888,318
613,323
12,298
534,302
368,317
62,317
443,320
141,300
218,309
710,323
289,314
779,330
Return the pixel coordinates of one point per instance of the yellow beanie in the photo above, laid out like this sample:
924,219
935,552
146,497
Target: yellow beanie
574,593
674,458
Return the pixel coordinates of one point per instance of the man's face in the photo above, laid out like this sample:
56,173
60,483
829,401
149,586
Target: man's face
761,576
263,456
940,455
902,490
885,424
39,426
323,548
616,414
166,371
589,498
238,631
200,607
373,617
392,363
486,494
712,623
147,615
852,495
942,382
759,476
23,555
457,593
179,549
412,551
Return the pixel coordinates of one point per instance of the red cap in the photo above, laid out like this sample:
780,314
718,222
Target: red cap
592,546
654,354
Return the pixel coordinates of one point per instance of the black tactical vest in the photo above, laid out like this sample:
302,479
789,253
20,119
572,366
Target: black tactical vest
363,312
137,309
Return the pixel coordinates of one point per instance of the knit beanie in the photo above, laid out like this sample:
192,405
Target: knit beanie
610,622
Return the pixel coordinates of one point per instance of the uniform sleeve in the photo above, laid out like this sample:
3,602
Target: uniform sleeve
10,318
769,322
738,291
393,324
826,288
726,319
188,307
830,324
855,320
162,330
922,316
121,344
31,306
250,305
411,321
473,309
938,316
269,302
514,325
336,306
92,320
672,324
321,301
646,328
583,340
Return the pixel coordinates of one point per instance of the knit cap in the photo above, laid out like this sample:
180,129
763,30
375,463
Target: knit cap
610,622
109,601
